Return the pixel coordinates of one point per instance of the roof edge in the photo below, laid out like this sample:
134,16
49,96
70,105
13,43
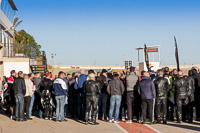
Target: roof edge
13,5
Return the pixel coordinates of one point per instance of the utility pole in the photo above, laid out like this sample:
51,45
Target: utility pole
52,57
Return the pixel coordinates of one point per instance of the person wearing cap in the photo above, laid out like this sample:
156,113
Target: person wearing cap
92,91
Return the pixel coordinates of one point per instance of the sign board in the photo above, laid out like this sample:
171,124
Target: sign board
152,49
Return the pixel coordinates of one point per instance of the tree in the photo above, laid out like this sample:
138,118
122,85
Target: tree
25,38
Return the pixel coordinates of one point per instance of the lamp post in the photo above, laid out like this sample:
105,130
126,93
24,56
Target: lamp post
53,56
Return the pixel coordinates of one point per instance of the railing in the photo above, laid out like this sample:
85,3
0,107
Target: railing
13,50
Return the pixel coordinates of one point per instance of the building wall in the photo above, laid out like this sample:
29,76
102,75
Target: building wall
17,64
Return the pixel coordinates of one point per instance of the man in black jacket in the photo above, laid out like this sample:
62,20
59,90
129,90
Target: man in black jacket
92,91
181,89
19,91
104,95
162,89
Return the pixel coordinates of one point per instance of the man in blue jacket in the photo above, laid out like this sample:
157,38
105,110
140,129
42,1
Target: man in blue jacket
81,105
148,93
60,89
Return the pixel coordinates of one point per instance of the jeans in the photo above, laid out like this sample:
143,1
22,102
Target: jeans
115,99
19,106
31,105
60,101
102,105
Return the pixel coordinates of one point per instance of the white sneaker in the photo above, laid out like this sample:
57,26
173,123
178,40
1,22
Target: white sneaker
46,118
116,122
110,121
11,117
123,119
129,121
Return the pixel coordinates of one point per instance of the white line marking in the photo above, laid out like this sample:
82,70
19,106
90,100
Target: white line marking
122,129
152,128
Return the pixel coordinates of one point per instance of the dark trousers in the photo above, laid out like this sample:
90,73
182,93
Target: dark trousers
147,104
81,107
198,108
123,107
102,105
181,104
91,101
48,111
130,101
161,107
27,101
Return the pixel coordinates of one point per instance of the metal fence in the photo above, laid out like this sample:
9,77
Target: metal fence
13,50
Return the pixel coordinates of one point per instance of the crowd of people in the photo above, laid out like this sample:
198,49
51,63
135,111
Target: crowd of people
156,97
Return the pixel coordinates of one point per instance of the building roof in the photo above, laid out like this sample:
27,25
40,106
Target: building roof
12,4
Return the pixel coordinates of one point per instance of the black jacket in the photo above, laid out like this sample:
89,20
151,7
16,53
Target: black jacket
162,87
19,86
181,88
115,87
92,88
103,83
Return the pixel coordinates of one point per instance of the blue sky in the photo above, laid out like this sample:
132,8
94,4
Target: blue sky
105,32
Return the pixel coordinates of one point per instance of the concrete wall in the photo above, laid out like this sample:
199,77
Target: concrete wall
17,64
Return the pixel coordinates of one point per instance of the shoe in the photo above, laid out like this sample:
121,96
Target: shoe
50,118
86,123
164,122
179,121
29,119
64,120
159,121
94,123
116,122
144,122
21,120
46,118
11,117
129,122
110,121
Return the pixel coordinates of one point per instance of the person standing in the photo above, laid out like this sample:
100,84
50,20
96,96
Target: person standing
147,92
60,89
37,83
162,88
92,91
102,79
115,89
131,85
31,75
11,95
27,97
47,97
181,89
81,96
19,88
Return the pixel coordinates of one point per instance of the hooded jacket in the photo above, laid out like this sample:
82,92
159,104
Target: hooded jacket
115,87
147,88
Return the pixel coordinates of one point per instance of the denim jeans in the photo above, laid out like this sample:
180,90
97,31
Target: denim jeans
31,105
19,106
60,101
115,99
102,105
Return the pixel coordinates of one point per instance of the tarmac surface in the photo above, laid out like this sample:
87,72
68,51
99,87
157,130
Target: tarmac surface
71,126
